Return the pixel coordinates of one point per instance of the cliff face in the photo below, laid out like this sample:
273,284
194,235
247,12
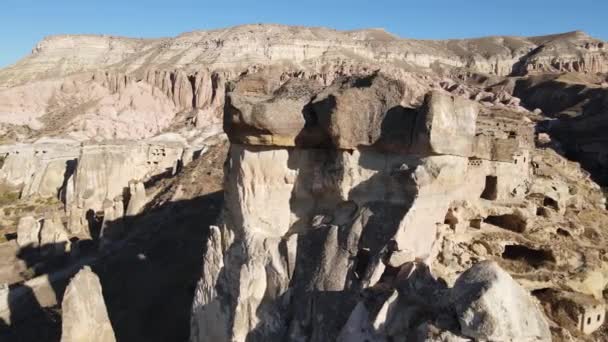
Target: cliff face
324,201
577,107
240,47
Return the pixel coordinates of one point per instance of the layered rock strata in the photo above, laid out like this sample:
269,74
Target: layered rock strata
241,47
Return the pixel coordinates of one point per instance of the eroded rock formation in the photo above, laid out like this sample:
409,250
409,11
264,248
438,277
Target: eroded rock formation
340,180
85,317
372,182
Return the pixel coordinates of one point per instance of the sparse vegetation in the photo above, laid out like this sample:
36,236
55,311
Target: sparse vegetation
7,198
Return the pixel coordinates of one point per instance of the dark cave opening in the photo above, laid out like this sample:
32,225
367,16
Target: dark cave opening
451,219
362,261
510,222
533,257
490,192
542,211
551,203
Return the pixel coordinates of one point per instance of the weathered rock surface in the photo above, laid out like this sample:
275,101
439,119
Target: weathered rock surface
280,260
85,317
28,232
354,112
53,236
491,306
137,198
576,105
574,51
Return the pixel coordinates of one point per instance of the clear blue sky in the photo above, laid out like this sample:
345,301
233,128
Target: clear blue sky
24,22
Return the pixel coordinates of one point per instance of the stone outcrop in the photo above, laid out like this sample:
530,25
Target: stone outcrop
88,107
85,317
113,215
38,169
199,90
47,233
25,300
308,228
137,198
101,172
491,306
54,239
568,52
83,176
577,107
28,231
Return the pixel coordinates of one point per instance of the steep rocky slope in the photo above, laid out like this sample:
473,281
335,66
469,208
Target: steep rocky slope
374,188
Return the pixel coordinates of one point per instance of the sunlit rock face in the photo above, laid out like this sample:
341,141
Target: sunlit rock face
322,186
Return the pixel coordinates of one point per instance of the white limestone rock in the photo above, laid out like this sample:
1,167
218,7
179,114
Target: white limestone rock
137,199
492,306
28,232
53,236
84,313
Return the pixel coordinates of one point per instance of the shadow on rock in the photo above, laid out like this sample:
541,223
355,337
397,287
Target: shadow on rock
148,276
148,283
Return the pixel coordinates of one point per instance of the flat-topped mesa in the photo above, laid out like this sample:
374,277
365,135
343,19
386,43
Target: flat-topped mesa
569,52
239,48
320,183
113,87
65,54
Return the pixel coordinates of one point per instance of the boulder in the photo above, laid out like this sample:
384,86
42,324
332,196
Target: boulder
362,110
447,125
85,317
54,238
491,306
258,115
28,232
